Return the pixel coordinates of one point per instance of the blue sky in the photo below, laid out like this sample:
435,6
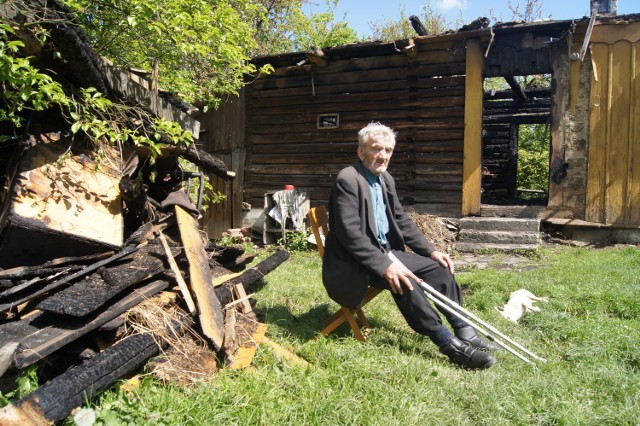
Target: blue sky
360,12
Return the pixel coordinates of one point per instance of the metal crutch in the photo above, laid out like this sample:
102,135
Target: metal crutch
454,308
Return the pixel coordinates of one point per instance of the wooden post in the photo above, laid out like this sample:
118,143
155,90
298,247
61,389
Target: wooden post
471,169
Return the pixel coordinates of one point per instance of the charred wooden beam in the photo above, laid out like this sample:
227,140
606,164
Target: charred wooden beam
477,24
519,118
55,400
200,158
517,89
250,277
42,334
90,294
66,280
224,254
81,64
44,269
417,25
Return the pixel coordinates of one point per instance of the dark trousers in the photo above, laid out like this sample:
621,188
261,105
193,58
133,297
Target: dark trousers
414,305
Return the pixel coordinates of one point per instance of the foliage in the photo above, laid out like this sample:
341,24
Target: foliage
286,28
200,48
89,113
23,86
435,22
295,240
530,12
209,193
27,382
533,156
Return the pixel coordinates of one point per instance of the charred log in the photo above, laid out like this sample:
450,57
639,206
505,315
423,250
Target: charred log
80,383
476,24
249,278
224,254
417,25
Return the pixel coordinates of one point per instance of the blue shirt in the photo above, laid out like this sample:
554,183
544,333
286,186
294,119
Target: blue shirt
379,208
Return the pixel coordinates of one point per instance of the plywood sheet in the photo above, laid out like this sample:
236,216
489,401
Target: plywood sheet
76,194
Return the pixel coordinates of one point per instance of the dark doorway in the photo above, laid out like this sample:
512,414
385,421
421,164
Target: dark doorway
516,140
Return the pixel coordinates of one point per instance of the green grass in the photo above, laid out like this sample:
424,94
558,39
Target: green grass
589,331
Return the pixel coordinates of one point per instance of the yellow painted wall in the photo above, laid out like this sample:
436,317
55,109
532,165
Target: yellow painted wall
613,180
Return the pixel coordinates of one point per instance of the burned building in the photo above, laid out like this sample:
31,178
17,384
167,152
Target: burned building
457,147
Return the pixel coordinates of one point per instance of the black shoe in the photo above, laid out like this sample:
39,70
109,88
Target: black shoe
464,355
468,335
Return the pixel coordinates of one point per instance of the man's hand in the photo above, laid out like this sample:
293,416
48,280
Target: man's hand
443,259
397,276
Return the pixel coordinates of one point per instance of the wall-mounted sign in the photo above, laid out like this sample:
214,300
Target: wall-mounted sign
328,121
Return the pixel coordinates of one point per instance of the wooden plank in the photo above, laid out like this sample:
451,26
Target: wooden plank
352,101
559,64
429,53
43,333
224,278
245,355
279,87
611,34
599,101
335,137
472,177
241,298
633,201
210,312
618,147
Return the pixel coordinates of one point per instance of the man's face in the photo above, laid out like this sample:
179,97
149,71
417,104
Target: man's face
376,155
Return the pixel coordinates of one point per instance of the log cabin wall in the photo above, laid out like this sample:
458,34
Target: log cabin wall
222,134
420,94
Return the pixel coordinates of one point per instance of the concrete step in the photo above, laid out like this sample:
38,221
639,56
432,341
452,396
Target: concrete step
498,233
498,237
511,211
467,247
500,224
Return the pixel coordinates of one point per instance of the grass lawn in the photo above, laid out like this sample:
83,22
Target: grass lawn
589,331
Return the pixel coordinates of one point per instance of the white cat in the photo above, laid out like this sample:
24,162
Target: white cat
520,301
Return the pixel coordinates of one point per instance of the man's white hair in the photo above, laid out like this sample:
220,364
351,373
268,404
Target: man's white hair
376,131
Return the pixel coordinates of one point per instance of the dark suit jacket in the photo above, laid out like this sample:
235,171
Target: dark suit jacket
352,252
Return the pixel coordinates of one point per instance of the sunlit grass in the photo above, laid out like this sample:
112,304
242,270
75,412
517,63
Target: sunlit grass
589,331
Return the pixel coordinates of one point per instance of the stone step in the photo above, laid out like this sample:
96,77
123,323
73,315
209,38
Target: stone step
500,224
489,210
498,237
468,247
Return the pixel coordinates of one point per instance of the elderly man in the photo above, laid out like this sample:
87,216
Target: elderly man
367,221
